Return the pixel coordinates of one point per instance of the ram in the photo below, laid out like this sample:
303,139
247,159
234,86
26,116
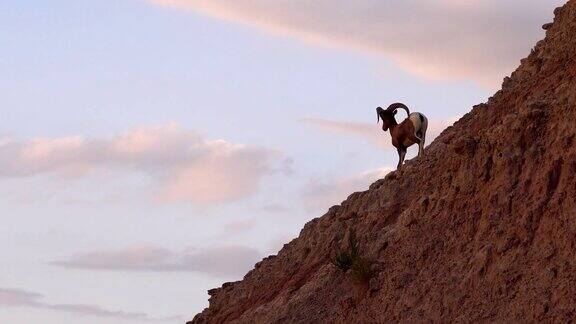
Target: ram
410,131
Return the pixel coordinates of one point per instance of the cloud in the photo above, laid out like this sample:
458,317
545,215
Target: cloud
372,132
17,297
319,194
22,298
239,226
182,164
275,208
437,39
223,262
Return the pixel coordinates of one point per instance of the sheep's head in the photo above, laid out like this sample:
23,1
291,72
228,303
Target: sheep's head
387,117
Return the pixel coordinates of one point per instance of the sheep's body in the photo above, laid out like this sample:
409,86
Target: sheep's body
409,132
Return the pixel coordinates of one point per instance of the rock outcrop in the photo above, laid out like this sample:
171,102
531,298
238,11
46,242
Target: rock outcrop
481,228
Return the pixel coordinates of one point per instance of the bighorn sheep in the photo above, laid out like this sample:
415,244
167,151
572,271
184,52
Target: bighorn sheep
410,131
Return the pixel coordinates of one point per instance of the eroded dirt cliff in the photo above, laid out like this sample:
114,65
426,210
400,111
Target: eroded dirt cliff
482,228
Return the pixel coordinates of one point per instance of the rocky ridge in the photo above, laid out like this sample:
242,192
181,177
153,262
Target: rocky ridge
482,228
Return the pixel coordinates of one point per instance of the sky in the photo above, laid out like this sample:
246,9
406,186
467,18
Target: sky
151,150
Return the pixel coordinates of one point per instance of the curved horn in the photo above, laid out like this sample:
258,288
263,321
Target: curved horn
379,110
395,106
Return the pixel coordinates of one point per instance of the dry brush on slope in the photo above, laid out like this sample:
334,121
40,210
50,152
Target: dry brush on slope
482,228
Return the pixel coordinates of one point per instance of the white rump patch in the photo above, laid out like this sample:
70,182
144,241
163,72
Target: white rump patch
417,122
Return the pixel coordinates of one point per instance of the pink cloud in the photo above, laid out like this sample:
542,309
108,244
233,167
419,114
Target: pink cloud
437,39
222,262
275,208
225,172
239,226
17,297
22,298
367,131
136,257
183,165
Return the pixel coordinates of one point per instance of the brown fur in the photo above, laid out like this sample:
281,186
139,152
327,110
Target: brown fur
403,134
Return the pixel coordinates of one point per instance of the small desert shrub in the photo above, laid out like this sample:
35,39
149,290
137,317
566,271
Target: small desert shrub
361,269
344,259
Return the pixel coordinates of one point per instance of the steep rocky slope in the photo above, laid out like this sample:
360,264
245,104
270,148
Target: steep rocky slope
482,228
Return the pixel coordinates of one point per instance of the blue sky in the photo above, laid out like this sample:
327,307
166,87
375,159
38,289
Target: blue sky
151,150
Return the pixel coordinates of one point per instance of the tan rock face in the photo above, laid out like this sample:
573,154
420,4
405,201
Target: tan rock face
482,228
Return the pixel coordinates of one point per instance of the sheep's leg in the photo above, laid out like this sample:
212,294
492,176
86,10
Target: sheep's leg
421,146
423,129
401,155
